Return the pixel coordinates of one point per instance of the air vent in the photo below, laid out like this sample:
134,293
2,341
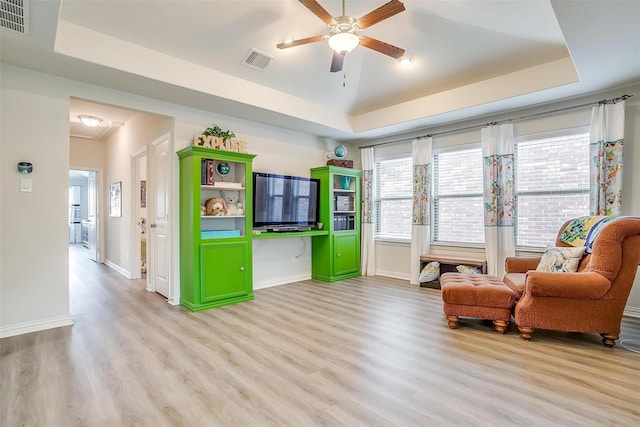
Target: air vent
256,59
14,15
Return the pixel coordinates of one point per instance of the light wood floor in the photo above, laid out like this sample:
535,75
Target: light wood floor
361,352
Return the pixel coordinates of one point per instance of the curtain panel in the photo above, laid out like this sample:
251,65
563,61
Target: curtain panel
498,195
420,218
368,254
605,168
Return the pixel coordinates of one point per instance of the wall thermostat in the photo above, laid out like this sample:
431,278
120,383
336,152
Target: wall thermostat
25,167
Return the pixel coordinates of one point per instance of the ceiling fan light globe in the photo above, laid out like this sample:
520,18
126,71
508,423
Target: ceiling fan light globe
406,60
343,43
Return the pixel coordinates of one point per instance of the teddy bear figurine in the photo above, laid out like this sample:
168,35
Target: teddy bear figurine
234,207
215,206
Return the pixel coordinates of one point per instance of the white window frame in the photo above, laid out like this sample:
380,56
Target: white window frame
441,150
377,235
558,133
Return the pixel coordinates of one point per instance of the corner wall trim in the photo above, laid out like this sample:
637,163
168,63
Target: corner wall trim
34,326
119,269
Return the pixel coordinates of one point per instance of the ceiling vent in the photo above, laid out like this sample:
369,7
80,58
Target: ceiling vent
14,15
256,59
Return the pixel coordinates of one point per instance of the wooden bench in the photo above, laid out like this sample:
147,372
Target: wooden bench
448,265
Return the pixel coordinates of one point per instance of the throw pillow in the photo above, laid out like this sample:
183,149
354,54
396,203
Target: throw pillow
430,272
468,269
561,260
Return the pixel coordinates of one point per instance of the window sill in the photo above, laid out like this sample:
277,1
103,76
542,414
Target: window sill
392,240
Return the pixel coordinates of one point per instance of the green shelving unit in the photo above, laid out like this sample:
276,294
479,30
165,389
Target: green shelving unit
336,255
215,251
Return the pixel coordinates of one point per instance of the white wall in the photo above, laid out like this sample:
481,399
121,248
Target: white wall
33,250
34,277
392,258
38,298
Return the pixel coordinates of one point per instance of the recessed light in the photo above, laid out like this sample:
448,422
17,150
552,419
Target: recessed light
90,121
288,40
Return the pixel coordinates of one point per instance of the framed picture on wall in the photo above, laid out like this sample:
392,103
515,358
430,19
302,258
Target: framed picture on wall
143,194
115,199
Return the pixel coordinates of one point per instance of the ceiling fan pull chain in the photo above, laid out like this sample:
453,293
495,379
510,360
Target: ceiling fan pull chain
344,80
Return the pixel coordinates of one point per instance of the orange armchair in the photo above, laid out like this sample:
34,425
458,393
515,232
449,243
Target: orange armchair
590,300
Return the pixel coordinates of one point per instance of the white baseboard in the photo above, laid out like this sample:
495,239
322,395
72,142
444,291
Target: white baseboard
281,281
393,275
35,326
119,269
632,311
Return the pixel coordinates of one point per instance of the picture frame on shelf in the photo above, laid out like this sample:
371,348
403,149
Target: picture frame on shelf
115,199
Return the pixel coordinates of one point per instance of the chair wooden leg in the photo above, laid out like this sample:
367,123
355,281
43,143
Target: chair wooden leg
501,326
453,321
525,332
609,340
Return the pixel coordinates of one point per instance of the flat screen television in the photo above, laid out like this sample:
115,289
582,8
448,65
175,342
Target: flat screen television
284,203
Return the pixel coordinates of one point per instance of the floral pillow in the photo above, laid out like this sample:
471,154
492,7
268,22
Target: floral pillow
561,260
430,272
468,269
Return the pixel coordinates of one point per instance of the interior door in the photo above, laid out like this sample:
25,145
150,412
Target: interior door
92,239
159,227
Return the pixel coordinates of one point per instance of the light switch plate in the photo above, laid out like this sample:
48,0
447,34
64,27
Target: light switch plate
26,185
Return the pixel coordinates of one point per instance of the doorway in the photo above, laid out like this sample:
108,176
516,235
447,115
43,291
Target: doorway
83,211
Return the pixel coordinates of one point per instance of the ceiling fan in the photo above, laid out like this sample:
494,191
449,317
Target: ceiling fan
343,31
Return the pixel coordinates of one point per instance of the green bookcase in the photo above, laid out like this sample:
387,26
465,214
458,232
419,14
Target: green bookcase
336,256
215,251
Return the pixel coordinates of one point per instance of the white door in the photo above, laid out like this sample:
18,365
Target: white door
159,218
92,236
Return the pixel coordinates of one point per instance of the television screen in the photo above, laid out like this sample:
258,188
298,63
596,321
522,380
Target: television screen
284,202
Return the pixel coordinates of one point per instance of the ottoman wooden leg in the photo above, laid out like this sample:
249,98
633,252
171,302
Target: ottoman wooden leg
501,326
525,333
609,340
453,321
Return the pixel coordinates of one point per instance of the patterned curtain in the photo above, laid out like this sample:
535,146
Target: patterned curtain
607,141
499,195
420,219
368,254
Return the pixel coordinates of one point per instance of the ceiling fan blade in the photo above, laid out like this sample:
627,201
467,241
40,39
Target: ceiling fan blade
385,11
301,41
382,47
319,11
336,62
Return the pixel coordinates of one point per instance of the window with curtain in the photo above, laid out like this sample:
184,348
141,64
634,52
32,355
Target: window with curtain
457,197
393,199
552,184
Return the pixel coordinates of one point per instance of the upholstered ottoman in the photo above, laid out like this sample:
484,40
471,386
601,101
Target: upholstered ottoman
476,295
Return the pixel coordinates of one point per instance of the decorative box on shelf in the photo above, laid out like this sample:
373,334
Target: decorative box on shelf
340,162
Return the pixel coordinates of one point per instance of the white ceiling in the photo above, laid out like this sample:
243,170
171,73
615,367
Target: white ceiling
471,57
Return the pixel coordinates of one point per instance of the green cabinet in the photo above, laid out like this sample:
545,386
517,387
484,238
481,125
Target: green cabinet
336,256
215,246
223,274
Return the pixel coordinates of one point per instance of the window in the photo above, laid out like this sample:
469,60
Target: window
394,199
552,185
457,197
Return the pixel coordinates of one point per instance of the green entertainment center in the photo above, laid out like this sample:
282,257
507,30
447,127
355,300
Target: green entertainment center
216,247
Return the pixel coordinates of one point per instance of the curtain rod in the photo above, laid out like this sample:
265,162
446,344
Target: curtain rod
527,116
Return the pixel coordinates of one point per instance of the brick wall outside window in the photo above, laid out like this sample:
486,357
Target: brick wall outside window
552,185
